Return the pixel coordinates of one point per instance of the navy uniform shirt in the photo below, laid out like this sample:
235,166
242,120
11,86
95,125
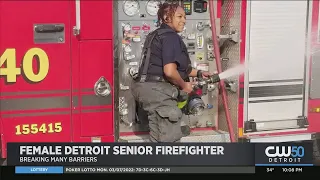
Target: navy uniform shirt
170,49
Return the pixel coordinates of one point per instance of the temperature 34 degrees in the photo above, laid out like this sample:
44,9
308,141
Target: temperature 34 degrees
270,169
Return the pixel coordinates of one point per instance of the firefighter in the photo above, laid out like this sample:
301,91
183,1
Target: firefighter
164,72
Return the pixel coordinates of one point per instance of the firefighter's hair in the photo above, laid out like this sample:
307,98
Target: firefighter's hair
167,9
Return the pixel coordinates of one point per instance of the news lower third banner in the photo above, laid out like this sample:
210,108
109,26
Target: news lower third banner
159,154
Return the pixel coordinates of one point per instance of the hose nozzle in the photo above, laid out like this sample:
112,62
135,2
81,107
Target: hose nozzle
214,78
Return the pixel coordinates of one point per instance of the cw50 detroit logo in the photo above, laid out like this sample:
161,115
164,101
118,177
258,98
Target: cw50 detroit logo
284,154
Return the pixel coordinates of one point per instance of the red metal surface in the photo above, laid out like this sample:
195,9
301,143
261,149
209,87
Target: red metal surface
314,118
18,18
243,32
18,34
219,6
68,74
219,69
96,20
93,58
93,122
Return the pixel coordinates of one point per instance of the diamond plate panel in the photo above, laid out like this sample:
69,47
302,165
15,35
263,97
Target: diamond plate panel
209,136
230,20
201,136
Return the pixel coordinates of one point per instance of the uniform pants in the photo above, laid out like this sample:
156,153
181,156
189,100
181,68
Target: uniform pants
159,100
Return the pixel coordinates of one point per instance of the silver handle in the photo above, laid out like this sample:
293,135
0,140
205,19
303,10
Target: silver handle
102,87
76,29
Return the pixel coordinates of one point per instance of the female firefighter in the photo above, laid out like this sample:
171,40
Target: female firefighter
165,70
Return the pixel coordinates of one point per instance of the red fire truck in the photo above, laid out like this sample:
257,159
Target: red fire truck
61,77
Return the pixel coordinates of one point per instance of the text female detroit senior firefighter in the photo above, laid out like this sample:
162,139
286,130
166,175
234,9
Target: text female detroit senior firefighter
121,150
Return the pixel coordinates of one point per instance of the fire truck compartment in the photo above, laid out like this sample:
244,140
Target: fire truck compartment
93,104
275,81
35,76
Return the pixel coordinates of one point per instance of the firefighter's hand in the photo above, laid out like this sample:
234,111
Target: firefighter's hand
206,74
188,87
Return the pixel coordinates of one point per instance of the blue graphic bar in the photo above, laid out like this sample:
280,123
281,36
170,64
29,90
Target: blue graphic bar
39,170
284,164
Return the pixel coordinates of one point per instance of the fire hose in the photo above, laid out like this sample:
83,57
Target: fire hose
192,103
219,69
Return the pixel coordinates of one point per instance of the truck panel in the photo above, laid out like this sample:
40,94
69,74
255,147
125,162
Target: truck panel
35,71
314,101
92,66
311,104
21,40
275,80
96,112
94,19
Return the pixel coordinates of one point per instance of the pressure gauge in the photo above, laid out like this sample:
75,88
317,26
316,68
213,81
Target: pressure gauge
152,7
131,7
127,49
133,71
127,27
